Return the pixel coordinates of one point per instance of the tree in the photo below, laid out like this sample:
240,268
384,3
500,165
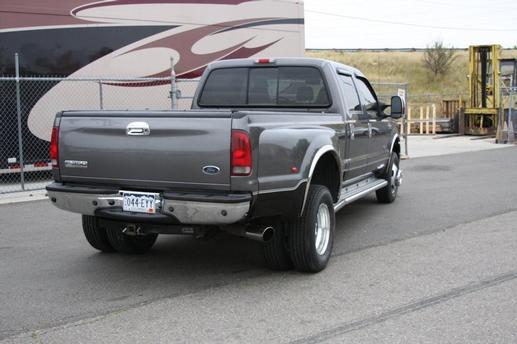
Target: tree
438,58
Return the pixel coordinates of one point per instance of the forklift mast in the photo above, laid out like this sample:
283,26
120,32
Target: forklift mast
484,90
484,76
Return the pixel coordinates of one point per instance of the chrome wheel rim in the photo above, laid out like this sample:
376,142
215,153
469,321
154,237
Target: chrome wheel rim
393,179
322,231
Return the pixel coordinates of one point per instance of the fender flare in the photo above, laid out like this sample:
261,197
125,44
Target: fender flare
319,153
393,141
395,138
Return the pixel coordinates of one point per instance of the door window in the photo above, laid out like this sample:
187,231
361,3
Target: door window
351,98
368,98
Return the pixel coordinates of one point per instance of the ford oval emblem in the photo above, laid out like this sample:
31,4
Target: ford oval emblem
211,170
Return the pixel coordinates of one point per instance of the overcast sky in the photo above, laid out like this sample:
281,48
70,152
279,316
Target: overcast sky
409,23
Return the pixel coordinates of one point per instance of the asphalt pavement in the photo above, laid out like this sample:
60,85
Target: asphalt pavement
438,265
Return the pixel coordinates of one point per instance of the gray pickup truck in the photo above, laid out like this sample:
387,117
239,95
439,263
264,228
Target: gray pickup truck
270,150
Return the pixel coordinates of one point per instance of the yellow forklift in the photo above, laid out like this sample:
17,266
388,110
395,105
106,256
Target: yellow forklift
481,114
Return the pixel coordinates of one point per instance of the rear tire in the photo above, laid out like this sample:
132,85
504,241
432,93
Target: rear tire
311,237
276,254
388,194
95,234
121,242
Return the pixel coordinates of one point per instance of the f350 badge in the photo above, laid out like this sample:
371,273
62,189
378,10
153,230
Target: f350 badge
76,164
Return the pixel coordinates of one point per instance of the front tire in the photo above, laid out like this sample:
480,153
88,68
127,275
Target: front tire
124,243
388,194
311,237
95,234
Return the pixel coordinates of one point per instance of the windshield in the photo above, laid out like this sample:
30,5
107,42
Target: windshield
265,87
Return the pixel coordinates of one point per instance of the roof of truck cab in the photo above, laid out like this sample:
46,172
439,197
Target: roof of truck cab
286,61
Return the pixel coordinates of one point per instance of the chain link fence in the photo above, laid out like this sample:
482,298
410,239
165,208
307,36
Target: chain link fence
187,90
28,106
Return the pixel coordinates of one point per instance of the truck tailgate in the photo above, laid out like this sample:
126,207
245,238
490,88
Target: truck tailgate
116,148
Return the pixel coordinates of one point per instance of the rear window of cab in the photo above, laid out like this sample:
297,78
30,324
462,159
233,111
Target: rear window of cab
265,87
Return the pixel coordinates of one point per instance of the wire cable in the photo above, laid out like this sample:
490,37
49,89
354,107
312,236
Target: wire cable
382,21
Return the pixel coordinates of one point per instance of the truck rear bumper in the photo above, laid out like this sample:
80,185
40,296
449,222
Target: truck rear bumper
180,208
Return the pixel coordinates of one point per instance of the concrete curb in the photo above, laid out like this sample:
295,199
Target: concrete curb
25,196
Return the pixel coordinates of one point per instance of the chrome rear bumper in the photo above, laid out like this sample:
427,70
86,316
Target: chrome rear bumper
183,210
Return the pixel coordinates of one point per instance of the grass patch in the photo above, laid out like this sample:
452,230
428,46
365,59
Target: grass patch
394,66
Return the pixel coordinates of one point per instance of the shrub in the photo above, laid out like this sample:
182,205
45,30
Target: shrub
438,58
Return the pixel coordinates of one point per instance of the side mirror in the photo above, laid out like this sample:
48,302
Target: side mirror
398,107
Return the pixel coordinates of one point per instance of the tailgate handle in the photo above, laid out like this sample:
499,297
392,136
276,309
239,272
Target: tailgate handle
138,129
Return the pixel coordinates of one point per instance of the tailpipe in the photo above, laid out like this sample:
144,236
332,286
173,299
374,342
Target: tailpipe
254,232
262,234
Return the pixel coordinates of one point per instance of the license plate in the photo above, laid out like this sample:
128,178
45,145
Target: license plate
139,202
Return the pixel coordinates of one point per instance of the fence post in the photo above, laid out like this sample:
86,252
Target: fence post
408,119
421,120
408,130
101,96
511,132
427,120
174,87
19,118
434,119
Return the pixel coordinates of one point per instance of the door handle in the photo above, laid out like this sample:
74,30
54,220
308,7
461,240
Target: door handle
138,129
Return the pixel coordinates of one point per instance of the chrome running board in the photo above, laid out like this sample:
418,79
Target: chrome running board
358,190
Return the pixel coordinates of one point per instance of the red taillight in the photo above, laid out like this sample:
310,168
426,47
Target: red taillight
241,153
54,151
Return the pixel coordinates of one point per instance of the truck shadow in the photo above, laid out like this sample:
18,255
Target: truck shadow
179,265
174,253
176,266
220,254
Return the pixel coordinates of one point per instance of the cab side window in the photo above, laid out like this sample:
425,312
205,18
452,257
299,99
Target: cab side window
368,98
351,98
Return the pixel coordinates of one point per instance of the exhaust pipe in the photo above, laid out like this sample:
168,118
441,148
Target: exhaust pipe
254,232
262,234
